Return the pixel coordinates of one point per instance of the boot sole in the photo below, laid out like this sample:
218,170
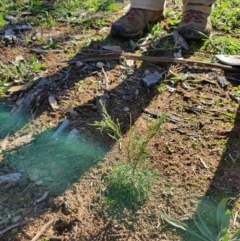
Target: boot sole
191,33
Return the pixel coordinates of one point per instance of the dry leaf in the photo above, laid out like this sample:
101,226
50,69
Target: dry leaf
19,87
19,58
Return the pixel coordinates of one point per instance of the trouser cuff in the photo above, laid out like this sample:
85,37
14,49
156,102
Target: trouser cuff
154,6
197,7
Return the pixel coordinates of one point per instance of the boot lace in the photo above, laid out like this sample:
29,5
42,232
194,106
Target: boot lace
193,15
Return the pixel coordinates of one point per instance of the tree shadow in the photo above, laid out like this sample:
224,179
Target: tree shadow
226,181
224,184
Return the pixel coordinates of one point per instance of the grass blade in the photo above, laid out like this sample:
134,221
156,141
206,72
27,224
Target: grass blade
236,236
226,220
180,225
225,238
222,234
221,211
202,226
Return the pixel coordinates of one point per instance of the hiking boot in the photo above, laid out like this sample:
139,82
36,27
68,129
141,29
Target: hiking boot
194,23
132,24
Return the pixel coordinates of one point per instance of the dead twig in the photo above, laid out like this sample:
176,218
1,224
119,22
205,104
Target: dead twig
203,162
43,197
44,51
43,229
12,226
122,55
106,79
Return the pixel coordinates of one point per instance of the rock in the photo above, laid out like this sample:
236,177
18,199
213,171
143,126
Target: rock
100,64
79,64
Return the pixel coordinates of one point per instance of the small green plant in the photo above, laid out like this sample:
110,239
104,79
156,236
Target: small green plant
218,44
52,44
129,183
155,30
222,223
7,215
127,189
161,88
173,16
19,71
2,22
226,15
45,239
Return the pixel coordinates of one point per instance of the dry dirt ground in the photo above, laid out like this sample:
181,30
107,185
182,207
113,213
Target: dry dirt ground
197,152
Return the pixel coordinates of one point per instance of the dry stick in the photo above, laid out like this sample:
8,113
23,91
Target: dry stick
43,229
12,226
106,79
44,51
122,55
96,57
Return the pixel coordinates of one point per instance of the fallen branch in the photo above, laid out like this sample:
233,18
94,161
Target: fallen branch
13,177
44,51
43,229
122,55
12,226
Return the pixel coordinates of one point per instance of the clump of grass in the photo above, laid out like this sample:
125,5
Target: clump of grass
226,15
19,72
221,45
129,184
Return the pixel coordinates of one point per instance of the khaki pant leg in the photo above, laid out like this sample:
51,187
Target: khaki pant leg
199,5
154,5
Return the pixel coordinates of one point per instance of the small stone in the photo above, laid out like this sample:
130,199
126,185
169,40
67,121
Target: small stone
178,55
147,72
19,58
37,36
130,62
185,86
79,64
100,64
170,89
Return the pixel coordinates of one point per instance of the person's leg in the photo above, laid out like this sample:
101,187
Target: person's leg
154,5
195,19
142,12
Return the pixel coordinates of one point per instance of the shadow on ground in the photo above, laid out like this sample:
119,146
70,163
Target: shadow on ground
224,184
